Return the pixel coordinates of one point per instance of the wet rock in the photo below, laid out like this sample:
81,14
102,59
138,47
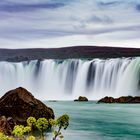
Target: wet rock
21,104
106,100
123,99
82,98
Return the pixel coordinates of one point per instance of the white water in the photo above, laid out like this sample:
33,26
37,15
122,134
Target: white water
68,79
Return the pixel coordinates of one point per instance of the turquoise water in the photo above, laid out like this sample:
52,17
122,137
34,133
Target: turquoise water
90,121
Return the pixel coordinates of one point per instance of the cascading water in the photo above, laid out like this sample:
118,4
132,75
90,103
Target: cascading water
68,79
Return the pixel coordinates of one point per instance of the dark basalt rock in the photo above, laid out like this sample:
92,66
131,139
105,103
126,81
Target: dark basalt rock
82,98
123,99
21,104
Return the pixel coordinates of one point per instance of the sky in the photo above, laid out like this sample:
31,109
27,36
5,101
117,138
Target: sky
63,23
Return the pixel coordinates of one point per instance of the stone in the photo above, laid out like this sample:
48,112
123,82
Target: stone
21,104
123,99
106,100
82,98
6,125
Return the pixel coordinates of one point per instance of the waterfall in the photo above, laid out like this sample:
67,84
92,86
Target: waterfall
70,78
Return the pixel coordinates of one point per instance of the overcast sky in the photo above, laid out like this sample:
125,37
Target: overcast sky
61,23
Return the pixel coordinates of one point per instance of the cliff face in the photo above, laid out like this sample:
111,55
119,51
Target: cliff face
87,52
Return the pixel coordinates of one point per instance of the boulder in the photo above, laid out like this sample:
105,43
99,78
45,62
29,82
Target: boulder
21,104
82,98
123,99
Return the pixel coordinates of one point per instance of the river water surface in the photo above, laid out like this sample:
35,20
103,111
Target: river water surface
91,121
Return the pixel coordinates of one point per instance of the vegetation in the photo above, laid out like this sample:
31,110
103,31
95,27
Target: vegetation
18,130
61,122
42,124
3,137
31,122
31,138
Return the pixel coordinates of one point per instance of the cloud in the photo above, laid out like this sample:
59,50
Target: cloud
51,19
102,19
29,7
109,39
138,7
108,4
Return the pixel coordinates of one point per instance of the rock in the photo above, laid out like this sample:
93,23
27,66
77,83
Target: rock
106,100
123,99
21,104
82,98
6,125
3,124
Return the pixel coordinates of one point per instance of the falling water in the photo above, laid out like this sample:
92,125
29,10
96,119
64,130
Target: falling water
68,79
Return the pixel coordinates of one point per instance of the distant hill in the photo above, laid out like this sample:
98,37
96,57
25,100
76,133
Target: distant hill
84,52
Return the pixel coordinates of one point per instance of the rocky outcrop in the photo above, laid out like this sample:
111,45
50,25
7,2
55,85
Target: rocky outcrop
21,104
123,99
82,98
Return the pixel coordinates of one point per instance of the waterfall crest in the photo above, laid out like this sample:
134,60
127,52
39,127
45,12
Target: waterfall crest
68,79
